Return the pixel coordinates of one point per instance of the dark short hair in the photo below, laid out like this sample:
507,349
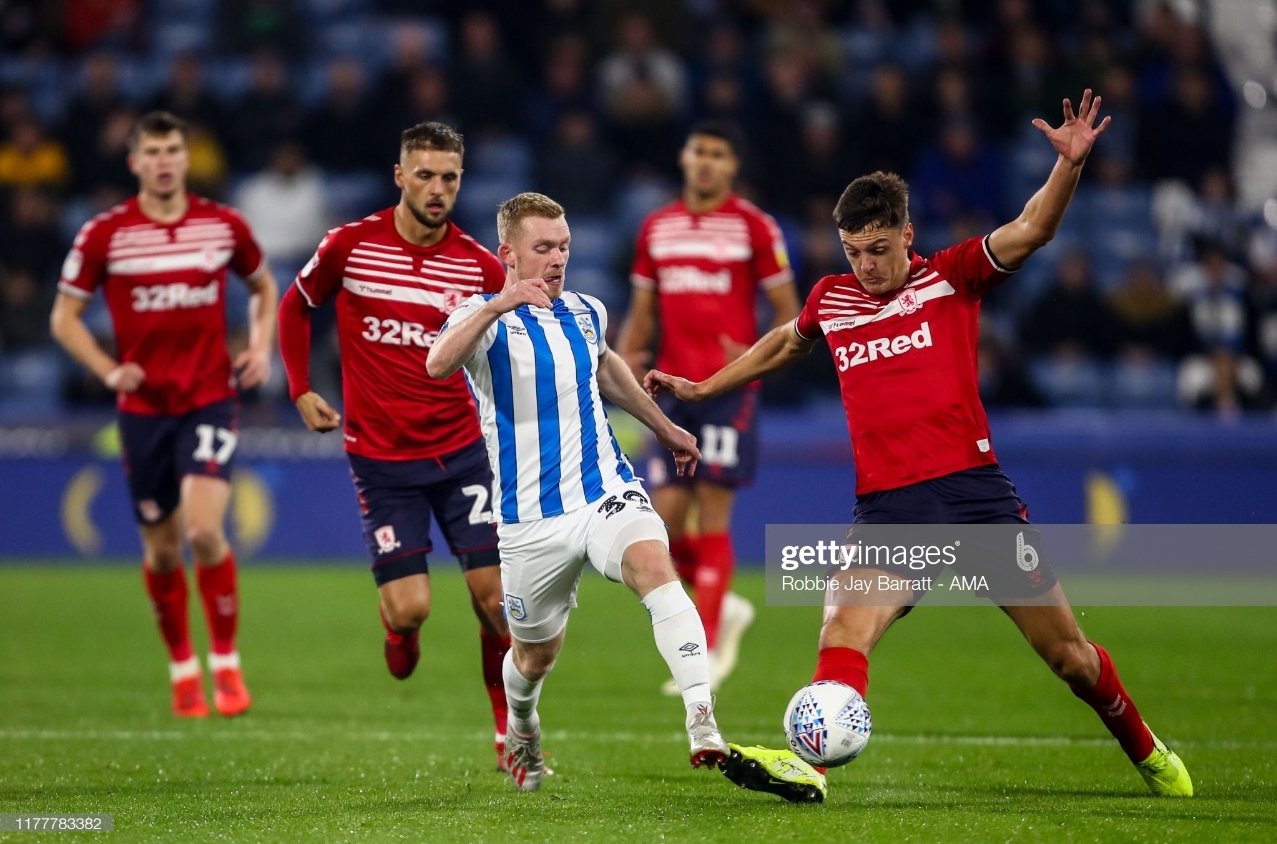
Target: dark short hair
877,201
720,129
156,123
435,136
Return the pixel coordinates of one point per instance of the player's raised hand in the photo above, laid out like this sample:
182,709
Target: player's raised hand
125,378
1076,135
252,368
525,291
656,382
317,413
683,444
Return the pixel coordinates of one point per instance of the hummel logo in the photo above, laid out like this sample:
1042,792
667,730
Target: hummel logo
690,649
1116,708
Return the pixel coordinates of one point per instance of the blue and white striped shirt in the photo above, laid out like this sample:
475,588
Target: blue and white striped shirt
535,376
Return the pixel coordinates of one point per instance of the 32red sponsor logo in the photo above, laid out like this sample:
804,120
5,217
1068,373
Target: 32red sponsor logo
854,354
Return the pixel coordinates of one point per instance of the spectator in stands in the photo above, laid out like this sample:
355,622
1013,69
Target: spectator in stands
187,95
896,139
576,166
337,130
1149,322
643,91
29,238
285,206
1069,319
246,26
24,310
959,173
564,87
488,88
264,115
30,158
88,112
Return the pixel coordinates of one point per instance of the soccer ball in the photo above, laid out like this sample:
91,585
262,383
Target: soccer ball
827,723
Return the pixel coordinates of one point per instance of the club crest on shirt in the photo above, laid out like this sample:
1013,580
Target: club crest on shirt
386,541
909,302
514,608
585,322
451,299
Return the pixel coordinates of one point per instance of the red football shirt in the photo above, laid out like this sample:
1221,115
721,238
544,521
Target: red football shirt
392,299
706,270
907,366
165,287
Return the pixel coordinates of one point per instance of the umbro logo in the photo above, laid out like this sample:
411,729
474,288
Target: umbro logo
690,649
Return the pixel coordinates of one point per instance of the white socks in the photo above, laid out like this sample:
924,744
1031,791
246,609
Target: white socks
680,637
521,695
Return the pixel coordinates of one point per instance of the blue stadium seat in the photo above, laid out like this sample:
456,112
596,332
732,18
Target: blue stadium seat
1142,385
595,241
502,156
1072,383
30,382
637,198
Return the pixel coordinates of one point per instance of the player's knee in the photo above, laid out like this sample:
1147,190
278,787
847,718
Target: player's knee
1071,661
646,565
406,614
489,610
534,664
164,558
207,542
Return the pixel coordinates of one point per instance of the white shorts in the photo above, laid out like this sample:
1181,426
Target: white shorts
542,561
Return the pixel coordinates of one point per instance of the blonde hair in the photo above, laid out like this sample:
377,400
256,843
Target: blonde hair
516,208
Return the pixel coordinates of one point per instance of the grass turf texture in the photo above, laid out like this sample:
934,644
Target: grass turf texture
974,740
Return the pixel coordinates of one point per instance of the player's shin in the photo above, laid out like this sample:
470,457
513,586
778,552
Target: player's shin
714,564
167,591
1116,709
493,649
680,638
521,696
220,594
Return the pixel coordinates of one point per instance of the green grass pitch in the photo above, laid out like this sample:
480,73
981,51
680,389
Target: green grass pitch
974,740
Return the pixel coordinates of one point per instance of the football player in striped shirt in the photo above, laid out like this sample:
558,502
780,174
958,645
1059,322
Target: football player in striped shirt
902,329
160,259
537,359
413,442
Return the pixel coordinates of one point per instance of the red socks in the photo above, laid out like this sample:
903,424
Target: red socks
494,649
683,553
1116,709
714,564
167,591
221,602
845,665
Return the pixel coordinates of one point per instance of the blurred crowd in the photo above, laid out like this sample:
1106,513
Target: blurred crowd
1159,292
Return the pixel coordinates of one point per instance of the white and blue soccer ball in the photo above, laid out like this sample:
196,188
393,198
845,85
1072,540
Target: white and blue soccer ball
827,723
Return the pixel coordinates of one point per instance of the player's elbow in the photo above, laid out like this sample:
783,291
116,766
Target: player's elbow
437,366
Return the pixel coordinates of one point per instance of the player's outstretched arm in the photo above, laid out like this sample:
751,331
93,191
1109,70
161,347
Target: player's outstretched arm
619,386
775,350
252,365
458,344
66,324
1014,242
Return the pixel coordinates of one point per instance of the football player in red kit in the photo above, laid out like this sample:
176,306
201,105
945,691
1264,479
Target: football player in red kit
413,442
902,329
160,259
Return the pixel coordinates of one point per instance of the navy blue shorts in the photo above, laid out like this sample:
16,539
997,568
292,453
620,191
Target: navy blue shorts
159,451
983,495
397,497
726,431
